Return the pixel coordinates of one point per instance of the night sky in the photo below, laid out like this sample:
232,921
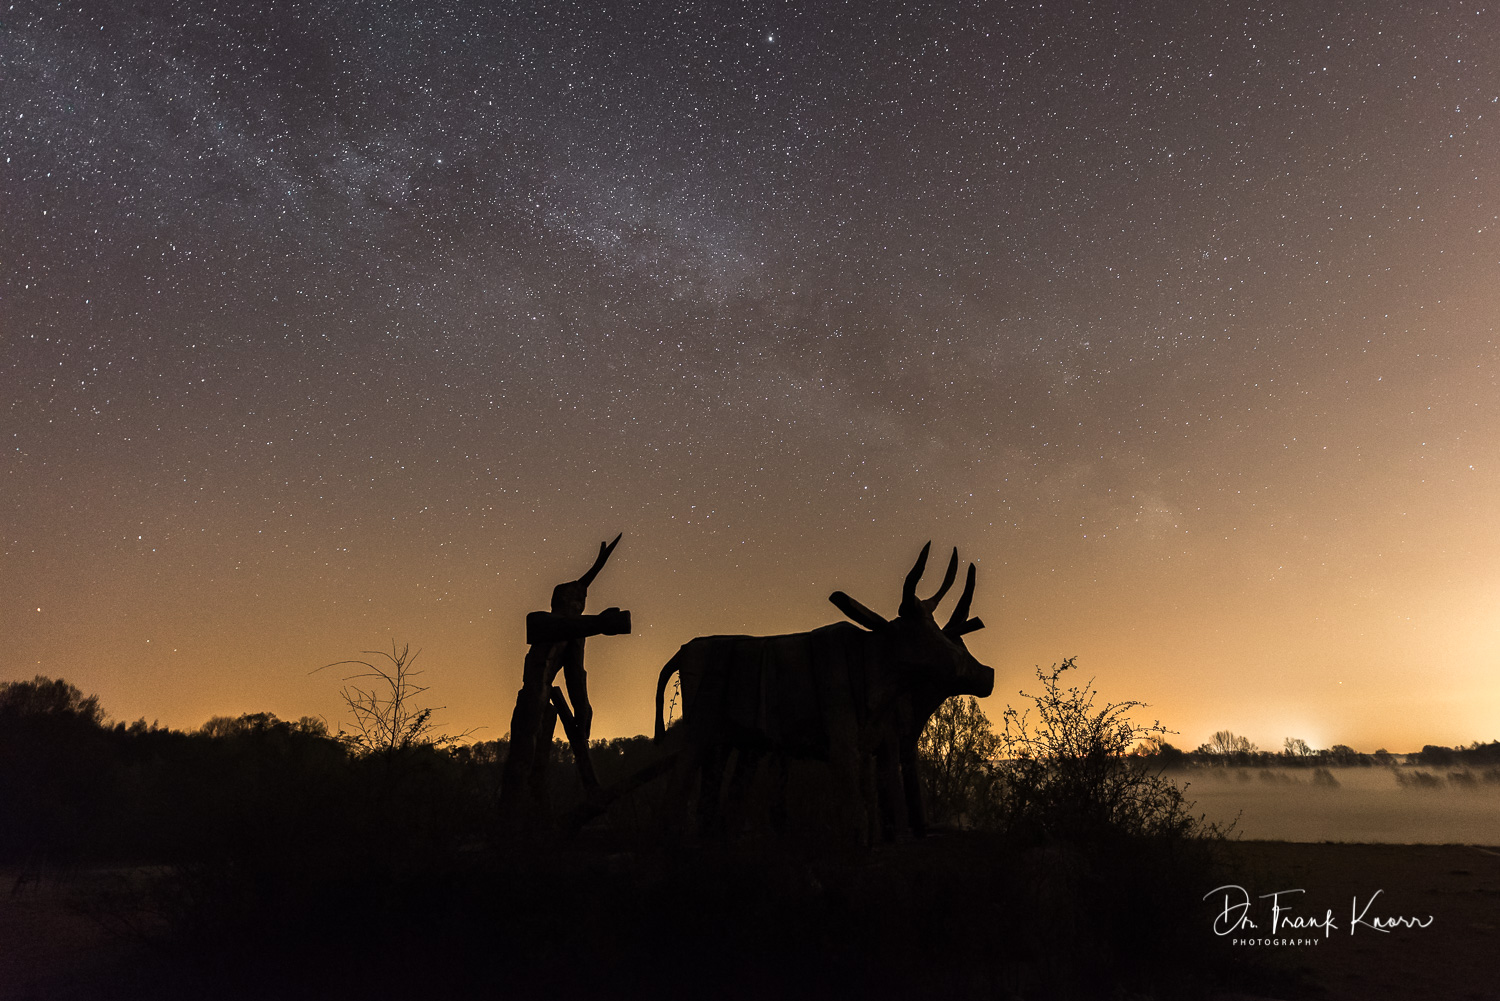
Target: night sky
339,323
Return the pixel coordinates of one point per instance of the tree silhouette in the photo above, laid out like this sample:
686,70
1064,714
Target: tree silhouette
44,696
956,750
1296,747
1226,743
54,768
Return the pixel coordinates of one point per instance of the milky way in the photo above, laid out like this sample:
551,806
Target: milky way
337,323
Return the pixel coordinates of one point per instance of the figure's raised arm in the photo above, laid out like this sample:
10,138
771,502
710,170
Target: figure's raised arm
552,627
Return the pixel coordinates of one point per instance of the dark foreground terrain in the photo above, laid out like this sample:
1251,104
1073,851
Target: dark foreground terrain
1451,959
959,915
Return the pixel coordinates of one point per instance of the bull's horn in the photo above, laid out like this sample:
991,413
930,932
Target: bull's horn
605,548
931,603
909,588
960,616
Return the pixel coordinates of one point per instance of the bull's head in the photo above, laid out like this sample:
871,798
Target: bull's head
937,655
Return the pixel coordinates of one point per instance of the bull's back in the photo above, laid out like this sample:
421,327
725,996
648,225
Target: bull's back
771,691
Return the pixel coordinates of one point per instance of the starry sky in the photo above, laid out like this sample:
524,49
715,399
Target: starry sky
332,324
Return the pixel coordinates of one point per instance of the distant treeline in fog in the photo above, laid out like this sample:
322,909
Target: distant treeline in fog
1228,749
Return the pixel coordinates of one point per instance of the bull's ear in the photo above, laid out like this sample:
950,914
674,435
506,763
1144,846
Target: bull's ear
859,613
971,626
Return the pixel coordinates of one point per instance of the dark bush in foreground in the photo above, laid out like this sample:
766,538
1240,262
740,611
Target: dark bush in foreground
1067,774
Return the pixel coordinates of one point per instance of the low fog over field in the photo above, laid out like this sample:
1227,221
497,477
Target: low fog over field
1400,805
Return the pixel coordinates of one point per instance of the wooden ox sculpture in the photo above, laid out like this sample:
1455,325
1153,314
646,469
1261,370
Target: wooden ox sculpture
857,698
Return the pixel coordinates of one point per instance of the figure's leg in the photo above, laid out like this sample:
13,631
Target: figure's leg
541,765
582,721
524,722
577,680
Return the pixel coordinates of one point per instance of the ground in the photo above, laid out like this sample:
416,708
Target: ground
63,937
1451,960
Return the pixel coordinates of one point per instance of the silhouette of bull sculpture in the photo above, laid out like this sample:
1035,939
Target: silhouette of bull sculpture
856,698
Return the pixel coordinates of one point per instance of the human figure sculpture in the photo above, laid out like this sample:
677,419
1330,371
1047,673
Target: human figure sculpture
555,640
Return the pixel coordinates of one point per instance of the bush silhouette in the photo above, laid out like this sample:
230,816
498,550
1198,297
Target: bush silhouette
1067,774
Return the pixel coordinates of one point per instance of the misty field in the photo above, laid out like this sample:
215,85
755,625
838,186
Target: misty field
1397,805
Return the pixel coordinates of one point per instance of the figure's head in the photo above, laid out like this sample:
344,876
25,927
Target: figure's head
569,598
937,655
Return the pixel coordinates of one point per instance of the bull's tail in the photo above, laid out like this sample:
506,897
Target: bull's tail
661,688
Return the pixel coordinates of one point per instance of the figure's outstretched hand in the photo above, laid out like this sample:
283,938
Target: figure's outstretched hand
614,622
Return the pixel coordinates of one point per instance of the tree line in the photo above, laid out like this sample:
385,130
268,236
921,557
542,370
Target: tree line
1228,748
80,789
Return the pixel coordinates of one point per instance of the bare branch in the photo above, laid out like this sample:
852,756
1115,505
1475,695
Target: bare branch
384,717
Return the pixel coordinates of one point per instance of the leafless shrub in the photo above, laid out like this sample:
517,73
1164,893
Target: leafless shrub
1067,771
385,717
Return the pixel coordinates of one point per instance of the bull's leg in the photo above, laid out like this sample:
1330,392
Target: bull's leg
684,772
852,776
711,791
869,799
888,789
911,782
780,781
741,779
